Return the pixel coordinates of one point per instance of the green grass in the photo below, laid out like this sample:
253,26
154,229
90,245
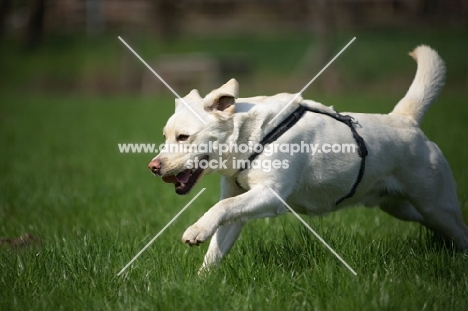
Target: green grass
93,209
63,180
67,63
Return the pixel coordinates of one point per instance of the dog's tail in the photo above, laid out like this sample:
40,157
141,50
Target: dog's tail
426,85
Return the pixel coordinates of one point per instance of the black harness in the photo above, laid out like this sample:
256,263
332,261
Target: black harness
292,119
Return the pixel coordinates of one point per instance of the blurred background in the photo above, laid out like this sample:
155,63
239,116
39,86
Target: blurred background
71,46
70,92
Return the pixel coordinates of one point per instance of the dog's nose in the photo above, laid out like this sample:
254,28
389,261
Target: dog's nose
155,166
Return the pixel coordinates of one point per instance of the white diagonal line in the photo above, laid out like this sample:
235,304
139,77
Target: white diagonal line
312,230
160,232
313,79
162,80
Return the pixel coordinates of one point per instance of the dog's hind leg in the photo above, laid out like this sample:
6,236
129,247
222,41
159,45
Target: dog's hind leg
446,220
432,190
403,210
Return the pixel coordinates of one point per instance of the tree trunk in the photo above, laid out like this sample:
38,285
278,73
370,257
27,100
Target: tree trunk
167,17
4,8
325,31
35,27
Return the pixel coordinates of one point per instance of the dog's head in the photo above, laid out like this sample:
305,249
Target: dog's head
188,140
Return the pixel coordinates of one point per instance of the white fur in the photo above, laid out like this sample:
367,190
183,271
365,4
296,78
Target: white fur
406,174
426,86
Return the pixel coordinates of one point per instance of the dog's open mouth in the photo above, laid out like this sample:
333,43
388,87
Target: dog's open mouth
185,180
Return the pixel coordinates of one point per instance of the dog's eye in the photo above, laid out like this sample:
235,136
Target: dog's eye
182,137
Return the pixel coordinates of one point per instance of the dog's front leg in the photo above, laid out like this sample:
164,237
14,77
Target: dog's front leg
255,203
221,243
225,236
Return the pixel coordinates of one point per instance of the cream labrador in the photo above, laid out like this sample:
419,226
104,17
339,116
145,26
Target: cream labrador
391,164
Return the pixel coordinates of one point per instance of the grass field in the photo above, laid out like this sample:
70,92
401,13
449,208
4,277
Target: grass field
92,209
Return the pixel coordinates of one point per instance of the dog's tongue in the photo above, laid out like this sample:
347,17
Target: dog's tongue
181,177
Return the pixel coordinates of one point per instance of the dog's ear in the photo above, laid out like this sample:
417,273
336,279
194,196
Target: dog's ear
223,99
190,99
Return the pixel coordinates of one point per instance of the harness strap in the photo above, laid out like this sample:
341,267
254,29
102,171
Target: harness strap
362,149
292,119
279,130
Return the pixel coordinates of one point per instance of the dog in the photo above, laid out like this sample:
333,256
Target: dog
394,165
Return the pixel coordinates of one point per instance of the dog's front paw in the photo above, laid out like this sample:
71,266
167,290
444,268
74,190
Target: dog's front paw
196,234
